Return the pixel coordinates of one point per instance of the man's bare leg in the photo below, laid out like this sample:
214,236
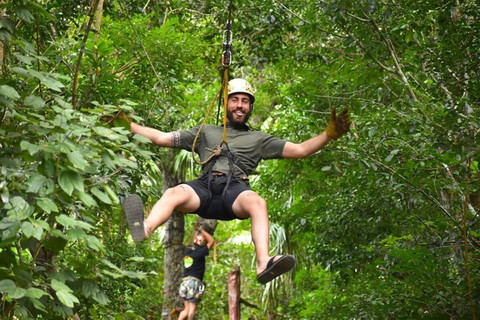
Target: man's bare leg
189,311
192,310
250,205
181,198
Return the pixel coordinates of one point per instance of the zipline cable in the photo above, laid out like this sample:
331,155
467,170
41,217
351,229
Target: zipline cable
226,62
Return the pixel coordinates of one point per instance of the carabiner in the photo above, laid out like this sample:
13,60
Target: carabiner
226,58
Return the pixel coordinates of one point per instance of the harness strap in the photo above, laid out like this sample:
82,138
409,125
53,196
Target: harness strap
232,162
230,173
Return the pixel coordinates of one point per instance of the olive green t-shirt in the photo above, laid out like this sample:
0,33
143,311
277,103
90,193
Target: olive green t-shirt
248,146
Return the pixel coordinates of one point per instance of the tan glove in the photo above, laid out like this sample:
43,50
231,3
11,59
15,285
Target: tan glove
119,119
338,125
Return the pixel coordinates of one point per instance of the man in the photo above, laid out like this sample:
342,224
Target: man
191,288
223,191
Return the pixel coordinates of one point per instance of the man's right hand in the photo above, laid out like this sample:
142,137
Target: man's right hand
119,119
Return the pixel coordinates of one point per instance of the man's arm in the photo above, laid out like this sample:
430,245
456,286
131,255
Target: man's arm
338,126
208,236
306,148
162,139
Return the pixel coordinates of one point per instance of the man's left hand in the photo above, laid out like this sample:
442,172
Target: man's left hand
338,125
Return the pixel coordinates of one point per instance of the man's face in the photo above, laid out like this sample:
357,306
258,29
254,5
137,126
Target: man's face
238,109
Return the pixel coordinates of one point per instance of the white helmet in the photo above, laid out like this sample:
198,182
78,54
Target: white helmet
241,86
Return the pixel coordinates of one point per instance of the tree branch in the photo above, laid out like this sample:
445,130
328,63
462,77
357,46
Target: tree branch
80,55
474,243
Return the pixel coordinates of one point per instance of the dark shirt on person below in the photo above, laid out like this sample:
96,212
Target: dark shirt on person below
194,261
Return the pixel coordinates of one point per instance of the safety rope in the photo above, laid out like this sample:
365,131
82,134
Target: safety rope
226,62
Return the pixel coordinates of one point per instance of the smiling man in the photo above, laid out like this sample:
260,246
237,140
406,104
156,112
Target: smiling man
223,191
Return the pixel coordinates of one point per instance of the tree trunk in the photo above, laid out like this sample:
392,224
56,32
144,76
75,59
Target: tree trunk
174,248
234,294
98,19
2,45
173,267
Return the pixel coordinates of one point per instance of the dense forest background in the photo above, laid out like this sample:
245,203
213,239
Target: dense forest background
384,222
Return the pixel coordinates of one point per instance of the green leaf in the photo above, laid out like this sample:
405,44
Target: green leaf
109,163
35,102
474,233
67,298
47,204
137,259
89,288
77,159
24,14
60,286
110,264
40,224
46,80
111,194
76,234
101,196
7,23
39,305
134,274
110,134
25,59
9,92
408,35
112,274
29,230
6,102
20,209
21,71
128,103
94,243
391,155
10,228
32,148
35,293
127,163
70,180
87,199
59,234
35,183
5,35
68,222
101,298
17,293
142,139
7,285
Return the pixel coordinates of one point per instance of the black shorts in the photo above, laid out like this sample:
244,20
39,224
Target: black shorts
213,203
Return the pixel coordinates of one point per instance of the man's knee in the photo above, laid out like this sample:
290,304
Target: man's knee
177,191
253,200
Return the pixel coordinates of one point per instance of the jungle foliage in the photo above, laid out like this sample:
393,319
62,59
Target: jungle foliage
384,222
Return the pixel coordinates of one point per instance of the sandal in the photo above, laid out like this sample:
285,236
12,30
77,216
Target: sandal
133,208
274,269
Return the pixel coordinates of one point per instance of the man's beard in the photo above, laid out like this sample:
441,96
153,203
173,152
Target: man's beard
236,124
